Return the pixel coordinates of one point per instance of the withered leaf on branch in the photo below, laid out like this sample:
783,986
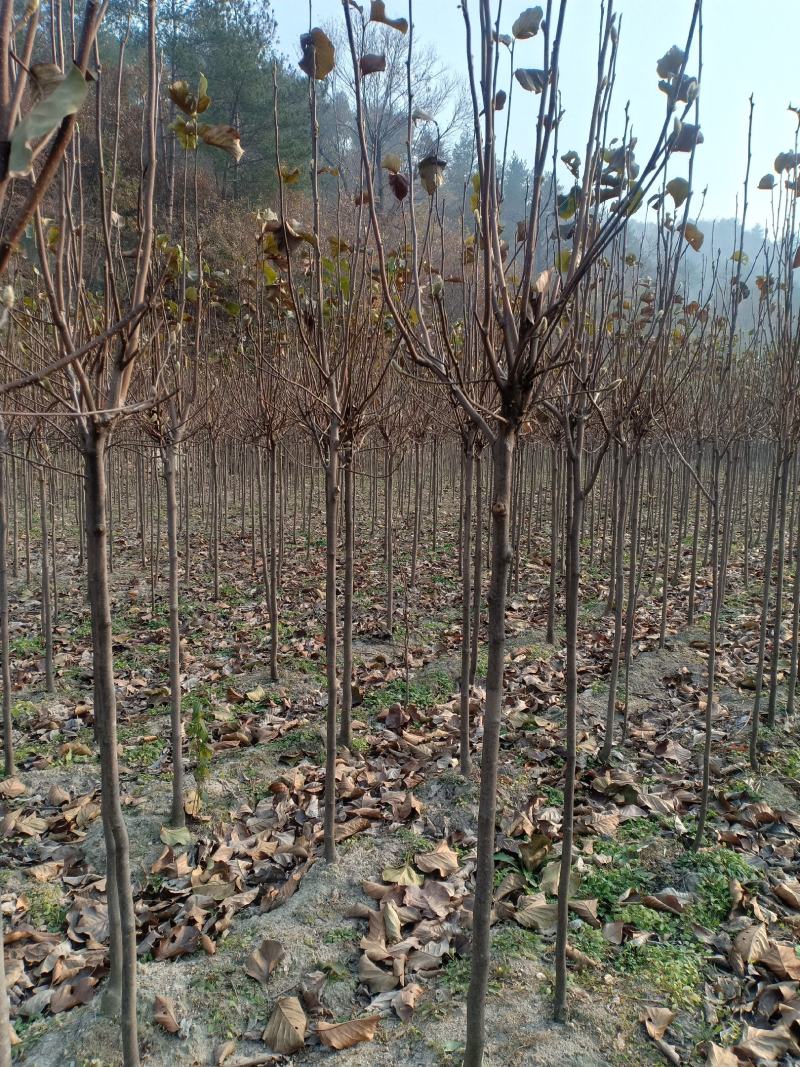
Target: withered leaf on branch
431,173
372,63
527,25
533,81
64,97
319,57
399,185
377,13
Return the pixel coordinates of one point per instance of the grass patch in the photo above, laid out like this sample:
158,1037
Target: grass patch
675,971
45,908
455,975
304,741
716,866
414,842
23,712
589,941
553,796
311,668
640,917
25,646
608,883
341,935
227,998
426,692
137,752
509,942
785,761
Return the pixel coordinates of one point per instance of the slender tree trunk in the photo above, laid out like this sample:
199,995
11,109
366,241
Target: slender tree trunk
142,504
417,509
273,568
695,538
177,815
555,497
712,650
477,574
389,549
630,615
502,461
123,939
466,602
14,523
26,503
187,524
618,583
47,618
5,1022
53,560
155,495
345,729
616,506
109,467
331,642
791,694
731,479
435,491
575,503
5,650
662,633
262,527
215,516
778,615
765,598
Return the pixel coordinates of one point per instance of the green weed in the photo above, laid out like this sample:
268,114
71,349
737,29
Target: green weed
45,908
341,935
25,646
675,971
304,741
199,739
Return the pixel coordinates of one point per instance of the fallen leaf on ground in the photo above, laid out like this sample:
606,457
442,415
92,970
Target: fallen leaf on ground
442,860
286,1029
171,836
262,962
405,875
656,1020
164,1014
345,1035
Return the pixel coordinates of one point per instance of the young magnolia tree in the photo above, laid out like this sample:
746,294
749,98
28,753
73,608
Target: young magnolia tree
531,323
82,362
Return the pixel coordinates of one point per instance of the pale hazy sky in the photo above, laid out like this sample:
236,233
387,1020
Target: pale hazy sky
746,48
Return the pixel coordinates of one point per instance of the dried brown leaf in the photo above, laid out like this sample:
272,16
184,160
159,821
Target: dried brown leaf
262,961
164,1014
345,1035
286,1029
442,860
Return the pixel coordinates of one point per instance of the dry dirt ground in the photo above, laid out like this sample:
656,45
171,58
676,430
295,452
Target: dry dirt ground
222,1011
